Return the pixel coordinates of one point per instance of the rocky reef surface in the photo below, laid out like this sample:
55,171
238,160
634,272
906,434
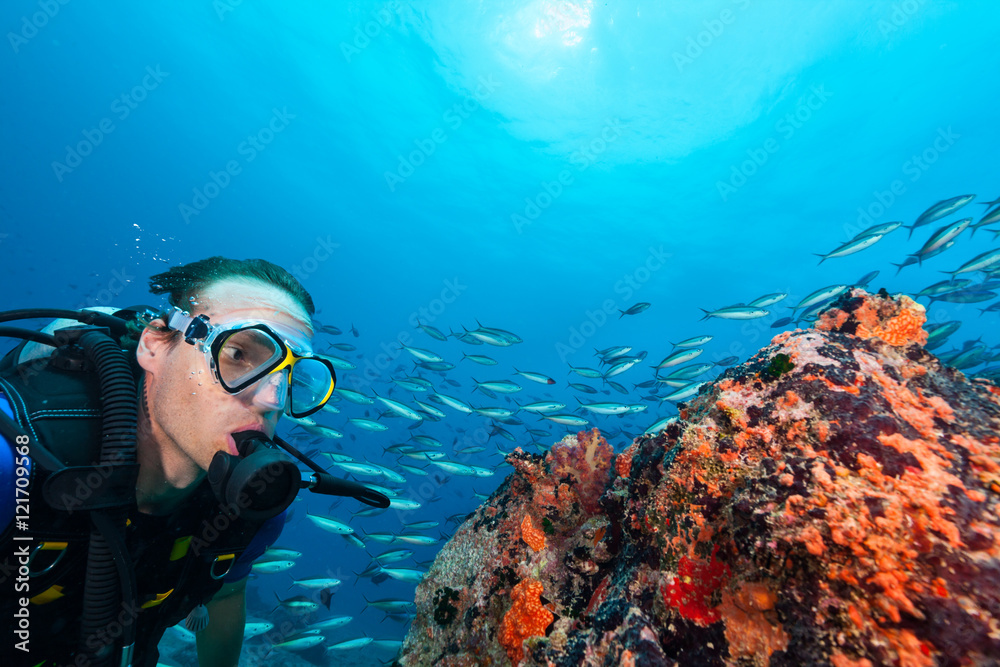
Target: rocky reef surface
832,501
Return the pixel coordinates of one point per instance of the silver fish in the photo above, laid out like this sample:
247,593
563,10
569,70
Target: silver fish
982,262
301,643
821,294
453,403
767,300
567,420
495,413
317,582
432,332
393,556
543,406
940,210
255,628
399,408
430,409
941,238
422,354
480,359
328,623
880,229
354,397
272,566
851,247
606,408
736,313
404,573
622,366
390,605
403,504
330,524
697,341
500,386
367,424
684,392
358,468
351,644
681,356
535,377
422,540
339,363
324,431
634,310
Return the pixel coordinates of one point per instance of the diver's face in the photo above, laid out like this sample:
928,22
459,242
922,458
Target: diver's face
189,407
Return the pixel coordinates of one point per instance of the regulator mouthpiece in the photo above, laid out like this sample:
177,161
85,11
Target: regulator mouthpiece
259,483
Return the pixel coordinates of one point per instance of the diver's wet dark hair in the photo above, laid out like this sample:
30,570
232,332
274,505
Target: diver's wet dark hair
184,282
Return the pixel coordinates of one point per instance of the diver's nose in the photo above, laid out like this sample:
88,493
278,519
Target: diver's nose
271,392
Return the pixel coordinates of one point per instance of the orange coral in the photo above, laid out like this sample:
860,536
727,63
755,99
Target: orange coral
898,321
623,462
525,618
903,329
749,632
534,537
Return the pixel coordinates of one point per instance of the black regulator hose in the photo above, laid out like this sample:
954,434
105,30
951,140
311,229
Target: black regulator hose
110,579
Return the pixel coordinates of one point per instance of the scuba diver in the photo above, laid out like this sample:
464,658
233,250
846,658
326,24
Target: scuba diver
140,474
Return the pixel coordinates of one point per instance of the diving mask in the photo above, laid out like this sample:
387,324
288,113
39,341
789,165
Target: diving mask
240,354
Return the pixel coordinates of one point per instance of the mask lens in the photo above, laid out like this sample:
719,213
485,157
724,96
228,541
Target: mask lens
243,355
310,385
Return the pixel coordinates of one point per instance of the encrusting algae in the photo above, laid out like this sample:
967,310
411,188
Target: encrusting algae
840,511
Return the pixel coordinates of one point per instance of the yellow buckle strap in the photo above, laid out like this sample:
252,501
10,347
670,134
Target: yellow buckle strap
160,597
48,595
180,548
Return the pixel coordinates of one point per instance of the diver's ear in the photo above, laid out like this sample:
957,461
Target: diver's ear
153,345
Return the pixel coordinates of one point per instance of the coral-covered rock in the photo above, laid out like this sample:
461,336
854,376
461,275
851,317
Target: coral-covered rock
832,501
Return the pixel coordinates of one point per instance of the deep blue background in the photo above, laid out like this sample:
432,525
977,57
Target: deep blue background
644,109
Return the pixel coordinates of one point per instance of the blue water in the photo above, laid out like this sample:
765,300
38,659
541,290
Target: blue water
526,164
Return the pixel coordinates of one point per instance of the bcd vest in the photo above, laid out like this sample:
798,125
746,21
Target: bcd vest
179,559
